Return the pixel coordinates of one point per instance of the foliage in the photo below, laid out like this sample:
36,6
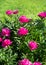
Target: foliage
19,48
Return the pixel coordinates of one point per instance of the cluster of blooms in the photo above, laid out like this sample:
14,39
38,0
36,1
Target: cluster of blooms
23,19
10,12
21,32
27,62
5,42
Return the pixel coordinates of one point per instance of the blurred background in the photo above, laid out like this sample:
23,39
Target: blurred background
30,8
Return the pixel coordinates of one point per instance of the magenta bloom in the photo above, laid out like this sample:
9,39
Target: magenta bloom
33,45
6,42
22,31
15,12
6,32
9,12
23,19
25,62
1,39
37,63
42,14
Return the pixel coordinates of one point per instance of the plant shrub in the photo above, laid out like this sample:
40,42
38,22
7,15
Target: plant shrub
22,43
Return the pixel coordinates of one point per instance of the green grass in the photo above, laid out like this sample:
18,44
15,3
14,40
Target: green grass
30,8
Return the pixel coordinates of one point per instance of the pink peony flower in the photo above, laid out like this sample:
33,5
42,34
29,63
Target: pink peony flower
25,62
42,14
9,12
6,32
6,42
37,63
23,19
1,39
15,12
22,31
33,45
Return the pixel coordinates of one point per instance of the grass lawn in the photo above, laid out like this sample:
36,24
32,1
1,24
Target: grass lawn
30,8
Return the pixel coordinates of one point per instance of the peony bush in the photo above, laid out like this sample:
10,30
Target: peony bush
22,39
